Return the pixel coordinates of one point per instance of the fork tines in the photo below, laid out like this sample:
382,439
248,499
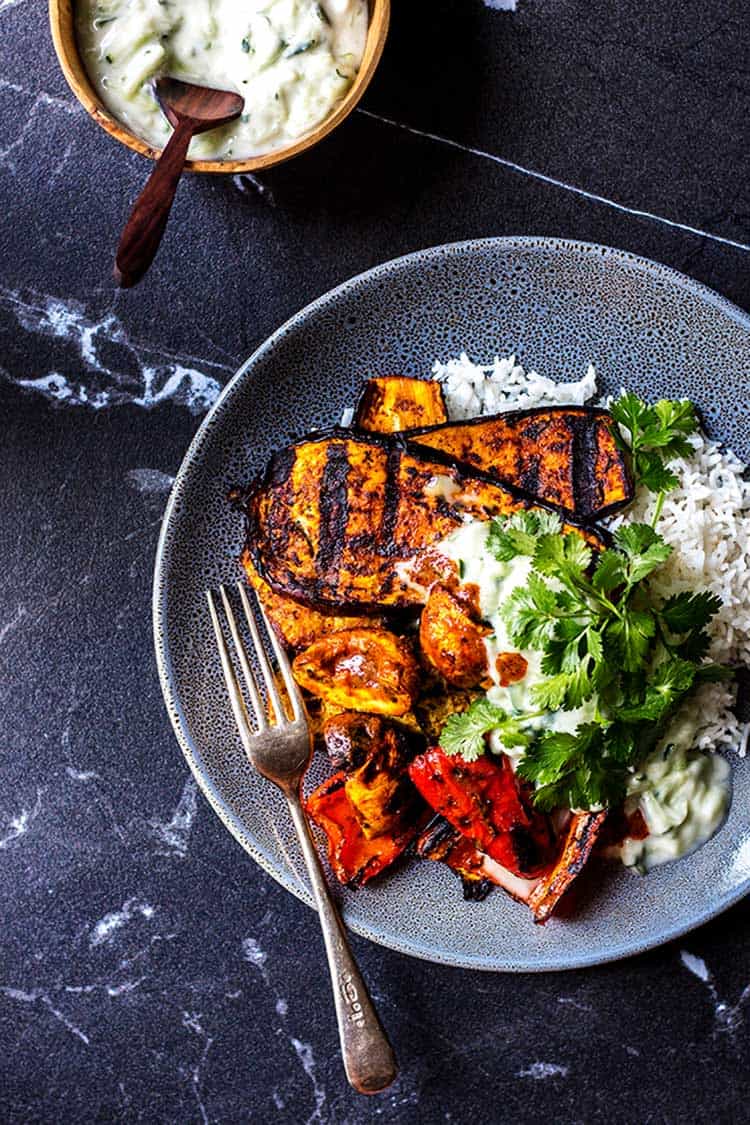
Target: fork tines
239,708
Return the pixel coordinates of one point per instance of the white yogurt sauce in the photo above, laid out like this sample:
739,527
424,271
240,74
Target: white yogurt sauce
291,60
496,581
682,793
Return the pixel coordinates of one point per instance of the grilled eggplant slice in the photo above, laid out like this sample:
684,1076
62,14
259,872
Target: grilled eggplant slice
361,670
565,455
344,521
393,402
297,625
354,857
483,800
578,842
374,753
451,636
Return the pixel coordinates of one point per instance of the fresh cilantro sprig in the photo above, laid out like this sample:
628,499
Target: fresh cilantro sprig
655,435
593,620
604,636
464,733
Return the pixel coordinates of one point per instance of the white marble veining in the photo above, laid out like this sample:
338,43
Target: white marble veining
728,1017
191,1020
255,955
541,1070
149,482
109,368
19,824
173,836
248,184
10,626
305,1055
105,929
39,995
552,181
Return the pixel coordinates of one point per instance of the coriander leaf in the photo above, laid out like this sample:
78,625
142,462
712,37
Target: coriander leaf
549,694
654,475
632,413
530,613
464,733
684,612
565,557
669,682
510,536
644,548
610,571
656,435
573,770
714,673
631,636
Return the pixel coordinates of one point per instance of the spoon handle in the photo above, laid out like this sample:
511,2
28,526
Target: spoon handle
145,227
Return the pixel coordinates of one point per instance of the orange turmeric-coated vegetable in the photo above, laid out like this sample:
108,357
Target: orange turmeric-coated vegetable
452,638
354,857
361,670
393,402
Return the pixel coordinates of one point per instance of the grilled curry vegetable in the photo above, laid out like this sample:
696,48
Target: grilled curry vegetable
484,801
577,844
440,841
374,753
297,625
565,455
361,670
437,704
347,522
393,402
354,857
451,636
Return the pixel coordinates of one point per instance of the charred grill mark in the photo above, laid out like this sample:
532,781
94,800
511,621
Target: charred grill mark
391,498
280,467
529,479
334,508
475,889
437,835
584,450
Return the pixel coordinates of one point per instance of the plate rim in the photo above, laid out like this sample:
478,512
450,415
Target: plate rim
173,704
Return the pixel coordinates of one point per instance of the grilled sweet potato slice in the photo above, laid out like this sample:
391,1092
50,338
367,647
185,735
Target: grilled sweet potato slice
578,842
483,800
451,636
393,402
361,670
354,858
352,521
566,455
297,625
374,753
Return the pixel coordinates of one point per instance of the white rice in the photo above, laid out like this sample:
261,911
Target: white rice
706,519
471,390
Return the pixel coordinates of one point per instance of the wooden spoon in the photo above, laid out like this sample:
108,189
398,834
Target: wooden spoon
190,110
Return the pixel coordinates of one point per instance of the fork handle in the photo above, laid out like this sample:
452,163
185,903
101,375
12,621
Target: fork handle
368,1056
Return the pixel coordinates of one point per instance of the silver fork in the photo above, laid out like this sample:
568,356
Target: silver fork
280,749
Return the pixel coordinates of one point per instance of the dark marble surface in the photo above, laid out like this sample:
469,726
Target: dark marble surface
149,971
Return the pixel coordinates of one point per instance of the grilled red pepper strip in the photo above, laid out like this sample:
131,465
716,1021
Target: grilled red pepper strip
484,801
354,858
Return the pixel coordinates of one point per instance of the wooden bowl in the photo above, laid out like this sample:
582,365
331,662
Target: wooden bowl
64,37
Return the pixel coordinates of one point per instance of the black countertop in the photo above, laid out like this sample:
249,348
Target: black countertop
149,971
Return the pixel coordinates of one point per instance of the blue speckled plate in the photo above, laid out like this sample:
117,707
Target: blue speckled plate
558,306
